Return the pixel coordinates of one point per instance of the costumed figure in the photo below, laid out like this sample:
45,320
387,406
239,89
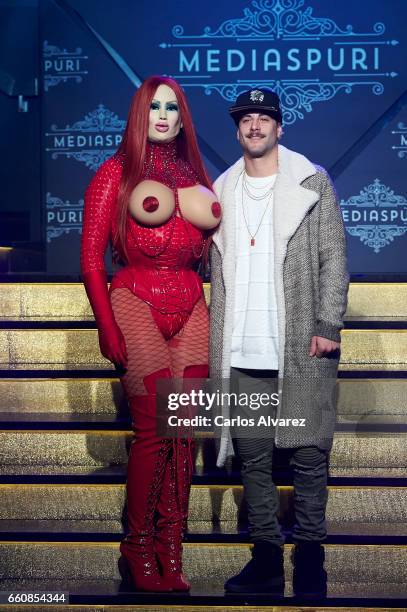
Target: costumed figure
153,200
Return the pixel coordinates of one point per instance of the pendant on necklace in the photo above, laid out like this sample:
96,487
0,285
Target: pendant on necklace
252,241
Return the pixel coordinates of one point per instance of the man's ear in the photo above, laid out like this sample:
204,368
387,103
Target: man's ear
280,131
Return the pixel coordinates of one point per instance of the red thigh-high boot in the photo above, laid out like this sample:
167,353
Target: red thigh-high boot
173,513
145,474
173,504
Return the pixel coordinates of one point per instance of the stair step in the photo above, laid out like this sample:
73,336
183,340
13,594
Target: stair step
373,349
210,564
375,511
44,301
371,397
116,474
364,398
110,531
67,349
51,349
355,453
104,595
68,301
66,395
386,301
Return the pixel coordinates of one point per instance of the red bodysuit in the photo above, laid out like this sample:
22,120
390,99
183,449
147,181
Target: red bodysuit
160,259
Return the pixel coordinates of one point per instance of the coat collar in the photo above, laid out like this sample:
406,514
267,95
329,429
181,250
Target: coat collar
294,166
291,200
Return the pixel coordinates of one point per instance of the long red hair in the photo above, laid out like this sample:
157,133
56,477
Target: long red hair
134,144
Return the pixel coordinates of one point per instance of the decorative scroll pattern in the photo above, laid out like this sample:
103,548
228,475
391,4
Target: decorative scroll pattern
278,19
378,196
64,74
60,226
295,97
101,122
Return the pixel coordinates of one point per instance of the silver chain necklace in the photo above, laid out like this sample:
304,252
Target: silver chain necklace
268,194
254,196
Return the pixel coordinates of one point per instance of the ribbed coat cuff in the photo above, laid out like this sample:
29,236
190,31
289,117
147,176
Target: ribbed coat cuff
328,330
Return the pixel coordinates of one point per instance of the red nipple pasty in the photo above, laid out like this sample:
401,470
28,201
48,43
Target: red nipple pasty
199,205
151,203
216,210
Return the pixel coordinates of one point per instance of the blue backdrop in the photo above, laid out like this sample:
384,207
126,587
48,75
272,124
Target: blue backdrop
339,69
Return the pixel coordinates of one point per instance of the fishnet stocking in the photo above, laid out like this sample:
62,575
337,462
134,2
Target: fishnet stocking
147,350
190,345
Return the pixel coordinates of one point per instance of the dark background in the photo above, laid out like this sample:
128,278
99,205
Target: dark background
75,64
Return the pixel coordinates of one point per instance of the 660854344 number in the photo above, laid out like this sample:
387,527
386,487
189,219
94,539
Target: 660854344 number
43,597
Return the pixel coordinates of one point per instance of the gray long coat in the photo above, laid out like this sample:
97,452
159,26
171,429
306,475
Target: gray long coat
311,284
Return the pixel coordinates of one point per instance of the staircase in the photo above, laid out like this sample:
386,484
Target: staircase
64,440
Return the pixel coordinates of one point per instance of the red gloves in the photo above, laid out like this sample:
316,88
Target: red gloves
111,340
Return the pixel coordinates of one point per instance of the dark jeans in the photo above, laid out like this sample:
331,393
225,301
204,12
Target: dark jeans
310,471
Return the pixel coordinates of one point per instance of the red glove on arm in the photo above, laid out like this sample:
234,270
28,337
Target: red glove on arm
100,206
111,340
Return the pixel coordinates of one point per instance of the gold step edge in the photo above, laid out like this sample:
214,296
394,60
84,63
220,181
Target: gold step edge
91,329
205,284
60,432
197,487
102,366
369,284
70,379
127,432
348,332
6,380
42,543
42,284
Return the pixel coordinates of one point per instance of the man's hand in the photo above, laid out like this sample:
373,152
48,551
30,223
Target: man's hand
322,346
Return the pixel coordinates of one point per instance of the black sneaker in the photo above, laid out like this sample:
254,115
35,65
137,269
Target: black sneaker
264,573
309,577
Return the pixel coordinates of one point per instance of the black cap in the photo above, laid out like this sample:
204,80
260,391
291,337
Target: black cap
262,101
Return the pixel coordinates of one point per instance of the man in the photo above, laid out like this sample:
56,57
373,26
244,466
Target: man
278,295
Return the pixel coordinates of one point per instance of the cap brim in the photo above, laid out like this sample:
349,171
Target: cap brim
238,112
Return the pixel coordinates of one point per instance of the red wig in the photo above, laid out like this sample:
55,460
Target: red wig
134,144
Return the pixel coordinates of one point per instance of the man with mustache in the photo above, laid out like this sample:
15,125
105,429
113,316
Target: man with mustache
278,295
